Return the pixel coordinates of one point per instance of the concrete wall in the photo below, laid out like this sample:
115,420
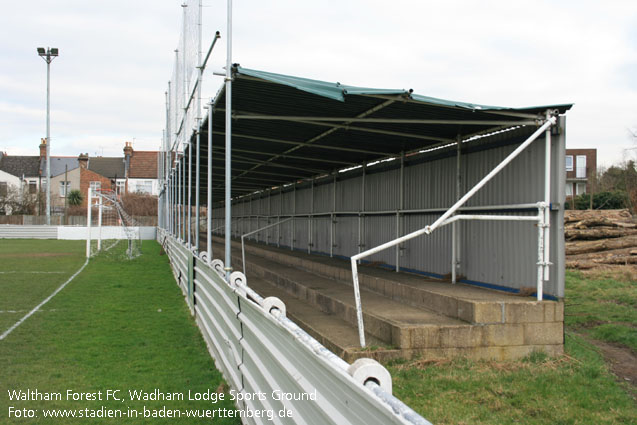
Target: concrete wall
108,232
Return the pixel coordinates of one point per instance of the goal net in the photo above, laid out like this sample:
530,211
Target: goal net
110,228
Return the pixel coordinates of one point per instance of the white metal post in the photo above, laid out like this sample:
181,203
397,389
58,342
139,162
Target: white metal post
359,308
228,262
547,200
178,198
209,185
88,224
189,198
185,187
540,253
197,187
99,225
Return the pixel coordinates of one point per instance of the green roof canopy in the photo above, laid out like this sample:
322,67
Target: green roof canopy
288,128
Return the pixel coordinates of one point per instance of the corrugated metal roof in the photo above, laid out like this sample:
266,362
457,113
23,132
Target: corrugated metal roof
288,128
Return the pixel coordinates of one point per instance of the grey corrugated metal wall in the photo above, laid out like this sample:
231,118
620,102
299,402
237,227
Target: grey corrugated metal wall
503,254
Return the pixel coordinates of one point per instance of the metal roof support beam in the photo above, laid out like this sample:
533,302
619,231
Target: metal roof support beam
247,160
327,133
384,120
377,131
484,111
259,179
292,176
289,142
306,158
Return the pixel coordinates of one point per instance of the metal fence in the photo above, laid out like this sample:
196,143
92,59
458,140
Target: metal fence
259,350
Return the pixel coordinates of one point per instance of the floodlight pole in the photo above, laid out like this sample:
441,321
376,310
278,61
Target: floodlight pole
48,57
228,224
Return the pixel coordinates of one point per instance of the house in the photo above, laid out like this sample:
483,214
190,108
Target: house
141,170
581,166
20,175
79,178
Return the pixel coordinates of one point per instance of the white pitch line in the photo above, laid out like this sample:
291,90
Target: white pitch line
18,271
19,322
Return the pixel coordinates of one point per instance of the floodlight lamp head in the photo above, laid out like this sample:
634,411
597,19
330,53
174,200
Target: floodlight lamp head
41,51
54,51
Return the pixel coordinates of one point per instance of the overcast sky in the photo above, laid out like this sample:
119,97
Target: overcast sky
116,56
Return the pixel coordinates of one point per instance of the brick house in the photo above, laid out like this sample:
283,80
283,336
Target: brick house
581,168
141,170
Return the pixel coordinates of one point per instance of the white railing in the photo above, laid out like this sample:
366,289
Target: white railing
446,218
243,247
260,350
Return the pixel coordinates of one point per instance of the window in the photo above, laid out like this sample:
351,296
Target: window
145,186
581,188
33,187
580,171
3,189
96,185
64,188
569,162
569,189
120,186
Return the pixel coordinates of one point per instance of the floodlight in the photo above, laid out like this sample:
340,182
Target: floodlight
54,51
41,51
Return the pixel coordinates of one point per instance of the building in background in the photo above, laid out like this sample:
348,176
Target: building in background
581,168
141,170
136,172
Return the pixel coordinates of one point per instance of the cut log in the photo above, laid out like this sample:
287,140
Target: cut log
580,265
583,247
597,222
600,255
597,233
623,215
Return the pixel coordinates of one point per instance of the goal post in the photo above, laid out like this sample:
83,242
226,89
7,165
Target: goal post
113,224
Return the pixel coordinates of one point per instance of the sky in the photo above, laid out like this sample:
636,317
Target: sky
108,84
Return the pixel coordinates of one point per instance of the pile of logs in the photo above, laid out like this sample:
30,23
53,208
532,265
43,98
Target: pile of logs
599,237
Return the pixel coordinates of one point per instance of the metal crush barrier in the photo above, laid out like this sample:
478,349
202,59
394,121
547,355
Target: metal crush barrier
260,351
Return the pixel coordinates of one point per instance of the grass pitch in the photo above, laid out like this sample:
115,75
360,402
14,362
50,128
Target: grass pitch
119,325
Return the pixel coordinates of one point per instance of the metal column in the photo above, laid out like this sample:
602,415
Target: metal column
228,262
209,186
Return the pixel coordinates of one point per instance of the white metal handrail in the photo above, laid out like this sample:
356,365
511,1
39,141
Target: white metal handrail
445,219
243,246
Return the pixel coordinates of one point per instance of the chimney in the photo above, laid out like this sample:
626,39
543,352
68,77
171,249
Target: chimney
43,148
83,160
128,152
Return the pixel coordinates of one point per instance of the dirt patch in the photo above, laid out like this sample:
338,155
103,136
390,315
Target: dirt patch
37,254
622,361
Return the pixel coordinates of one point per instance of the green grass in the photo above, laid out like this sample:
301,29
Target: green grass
576,388
119,325
572,389
602,307
22,283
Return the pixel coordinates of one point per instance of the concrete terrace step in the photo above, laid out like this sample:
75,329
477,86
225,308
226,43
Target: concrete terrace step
334,333
324,306
465,302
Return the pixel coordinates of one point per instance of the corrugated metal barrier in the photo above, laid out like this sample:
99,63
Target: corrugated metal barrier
260,351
